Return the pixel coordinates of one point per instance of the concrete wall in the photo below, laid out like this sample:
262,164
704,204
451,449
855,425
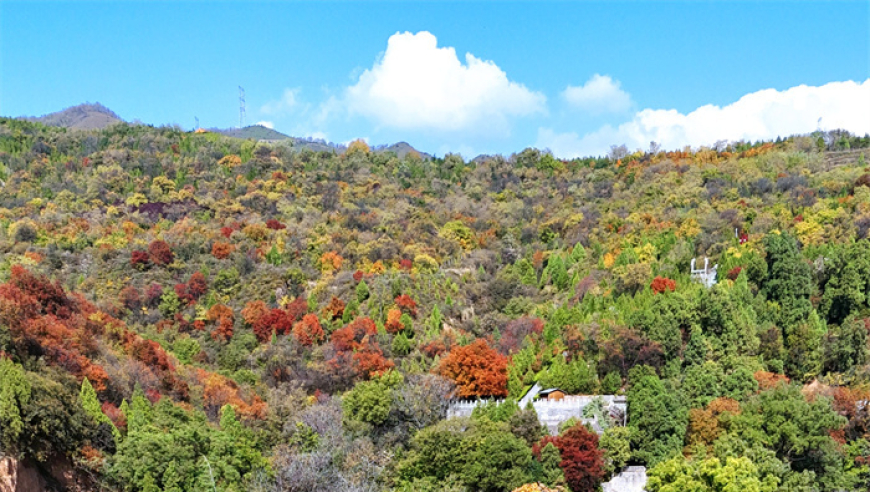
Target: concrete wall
552,413
631,479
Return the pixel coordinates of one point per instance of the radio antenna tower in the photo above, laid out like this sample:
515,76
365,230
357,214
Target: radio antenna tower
197,122
241,107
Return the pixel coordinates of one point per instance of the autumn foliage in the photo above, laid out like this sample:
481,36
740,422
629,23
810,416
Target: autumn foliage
769,380
308,331
407,305
140,260
394,321
64,330
704,425
356,345
477,369
663,284
331,261
223,318
582,461
160,253
222,251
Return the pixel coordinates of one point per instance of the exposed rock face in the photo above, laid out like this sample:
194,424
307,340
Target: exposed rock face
16,477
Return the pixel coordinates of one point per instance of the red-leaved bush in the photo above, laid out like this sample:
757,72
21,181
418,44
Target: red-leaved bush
140,260
160,252
582,461
663,284
734,273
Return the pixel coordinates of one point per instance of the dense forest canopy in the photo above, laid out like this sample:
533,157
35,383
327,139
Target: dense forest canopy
185,311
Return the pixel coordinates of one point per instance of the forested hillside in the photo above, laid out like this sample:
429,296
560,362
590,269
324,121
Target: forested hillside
192,312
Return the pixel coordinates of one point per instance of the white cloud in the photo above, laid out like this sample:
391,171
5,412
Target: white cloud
600,94
287,102
765,114
418,86
267,124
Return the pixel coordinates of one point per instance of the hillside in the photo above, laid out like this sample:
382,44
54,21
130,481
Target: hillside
256,132
85,116
302,319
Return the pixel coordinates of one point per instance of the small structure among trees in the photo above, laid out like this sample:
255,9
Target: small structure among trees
706,275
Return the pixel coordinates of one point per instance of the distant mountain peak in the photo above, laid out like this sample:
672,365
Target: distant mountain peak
87,116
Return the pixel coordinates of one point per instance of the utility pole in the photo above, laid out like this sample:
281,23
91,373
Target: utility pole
241,107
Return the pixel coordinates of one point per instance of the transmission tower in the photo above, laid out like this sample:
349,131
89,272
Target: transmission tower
197,122
241,107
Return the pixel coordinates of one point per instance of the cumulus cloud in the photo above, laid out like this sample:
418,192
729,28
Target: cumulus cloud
600,94
267,124
287,103
416,85
759,115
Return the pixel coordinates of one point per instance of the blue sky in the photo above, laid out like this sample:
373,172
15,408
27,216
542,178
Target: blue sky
574,77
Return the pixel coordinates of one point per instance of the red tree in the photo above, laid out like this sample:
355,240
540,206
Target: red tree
130,298
197,285
160,253
477,370
140,260
513,334
582,461
663,284
275,225
394,321
350,337
275,322
629,348
297,309
152,295
335,309
308,331
734,273
221,250
223,316
355,344
407,305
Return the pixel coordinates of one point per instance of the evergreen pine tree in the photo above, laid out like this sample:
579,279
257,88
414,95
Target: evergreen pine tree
550,460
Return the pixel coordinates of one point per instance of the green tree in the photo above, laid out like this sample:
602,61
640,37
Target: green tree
362,292
711,475
657,417
91,405
789,279
848,285
615,441
140,413
500,462
573,377
611,383
171,481
371,401
796,430
14,395
552,472
702,383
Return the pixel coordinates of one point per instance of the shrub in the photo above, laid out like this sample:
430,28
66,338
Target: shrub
160,253
663,284
140,260
222,251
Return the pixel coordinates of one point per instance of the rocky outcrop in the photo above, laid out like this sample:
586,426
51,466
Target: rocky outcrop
15,476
